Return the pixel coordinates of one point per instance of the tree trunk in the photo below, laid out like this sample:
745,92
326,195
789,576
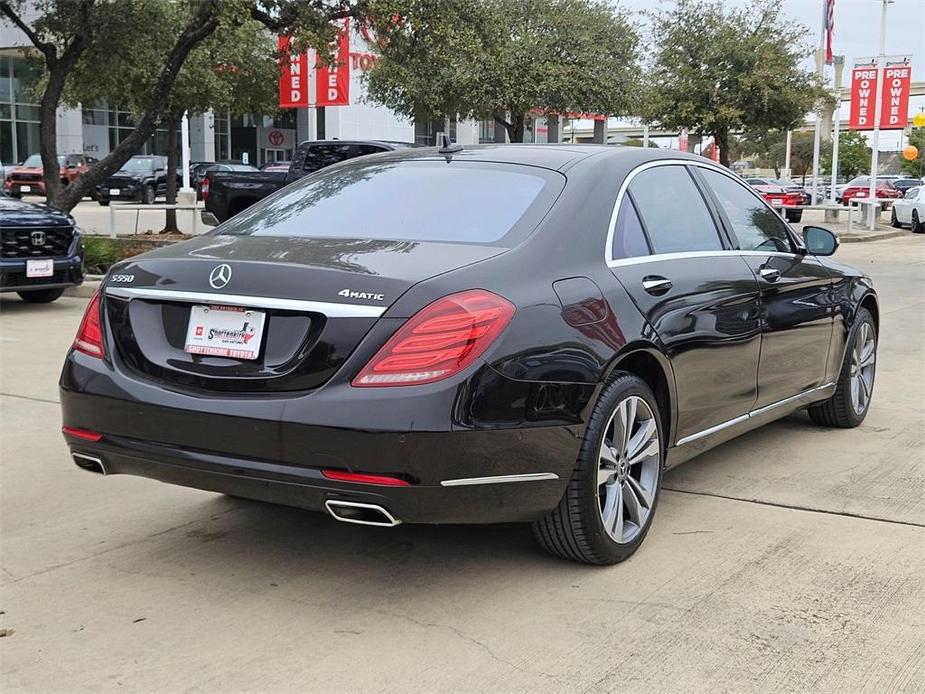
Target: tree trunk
516,131
170,222
721,140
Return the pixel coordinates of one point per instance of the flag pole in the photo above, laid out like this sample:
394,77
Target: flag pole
874,214
817,130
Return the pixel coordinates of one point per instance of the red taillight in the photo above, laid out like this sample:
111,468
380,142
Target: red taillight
204,188
89,338
439,341
84,434
362,478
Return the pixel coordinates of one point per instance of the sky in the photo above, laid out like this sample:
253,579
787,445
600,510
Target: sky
857,34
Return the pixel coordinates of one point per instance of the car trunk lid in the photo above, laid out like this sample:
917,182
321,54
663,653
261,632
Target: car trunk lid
315,297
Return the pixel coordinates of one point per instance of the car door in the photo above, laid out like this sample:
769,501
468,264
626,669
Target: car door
904,206
700,298
796,291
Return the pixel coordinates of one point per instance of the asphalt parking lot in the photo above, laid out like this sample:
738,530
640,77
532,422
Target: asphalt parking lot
792,559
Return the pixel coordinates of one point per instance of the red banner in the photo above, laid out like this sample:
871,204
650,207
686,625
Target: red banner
293,76
894,95
894,106
332,85
863,95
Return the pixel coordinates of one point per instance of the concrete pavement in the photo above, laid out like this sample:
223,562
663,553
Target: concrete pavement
792,559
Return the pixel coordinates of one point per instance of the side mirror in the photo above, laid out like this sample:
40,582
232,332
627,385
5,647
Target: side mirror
819,241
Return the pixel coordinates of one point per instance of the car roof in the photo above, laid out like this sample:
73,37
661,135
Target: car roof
557,157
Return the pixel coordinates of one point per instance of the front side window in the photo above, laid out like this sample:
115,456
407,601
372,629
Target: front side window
912,193
757,226
320,156
673,211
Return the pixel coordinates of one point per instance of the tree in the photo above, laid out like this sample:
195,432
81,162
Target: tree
801,153
916,167
719,69
233,70
503,59
853,155
99,37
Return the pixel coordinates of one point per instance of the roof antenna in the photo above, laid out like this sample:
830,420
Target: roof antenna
447,146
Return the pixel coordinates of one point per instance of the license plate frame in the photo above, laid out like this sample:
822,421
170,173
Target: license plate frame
40,267
114,192
25,189
233,332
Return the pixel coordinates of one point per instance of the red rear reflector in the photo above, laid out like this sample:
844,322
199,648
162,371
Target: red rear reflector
439,341
382,480
204,188
84,434
89,338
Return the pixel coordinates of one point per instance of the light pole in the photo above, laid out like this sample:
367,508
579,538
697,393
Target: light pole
874,212
839,69
817,130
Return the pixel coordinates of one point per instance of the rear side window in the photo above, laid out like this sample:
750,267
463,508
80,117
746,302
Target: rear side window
673,211
756,226
629,240
462,202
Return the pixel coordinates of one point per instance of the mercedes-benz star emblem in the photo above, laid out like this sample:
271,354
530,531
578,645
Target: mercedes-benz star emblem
38,238
220,276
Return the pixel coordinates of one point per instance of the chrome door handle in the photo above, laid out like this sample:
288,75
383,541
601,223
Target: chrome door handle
769,274
656,285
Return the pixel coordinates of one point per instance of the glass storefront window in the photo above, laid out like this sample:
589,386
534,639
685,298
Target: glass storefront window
19,115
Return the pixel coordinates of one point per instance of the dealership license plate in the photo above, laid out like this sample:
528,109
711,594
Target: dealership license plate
40,268
224,331
25,189
777,203
113,191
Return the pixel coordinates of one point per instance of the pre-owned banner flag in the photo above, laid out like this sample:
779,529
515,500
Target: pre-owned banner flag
332,84
293,76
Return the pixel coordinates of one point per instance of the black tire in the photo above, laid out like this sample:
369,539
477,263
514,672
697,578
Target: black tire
148,195
893,221
838,410
918,227
41,296
16,195
575,528
794,215
104,203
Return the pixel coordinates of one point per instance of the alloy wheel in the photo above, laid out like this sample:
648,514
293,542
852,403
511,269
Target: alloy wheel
863,358
627,478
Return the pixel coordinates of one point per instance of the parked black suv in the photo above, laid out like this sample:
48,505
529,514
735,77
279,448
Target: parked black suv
41,253
141,179
227,194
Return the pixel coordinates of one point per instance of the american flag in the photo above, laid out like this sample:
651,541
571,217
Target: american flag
829,29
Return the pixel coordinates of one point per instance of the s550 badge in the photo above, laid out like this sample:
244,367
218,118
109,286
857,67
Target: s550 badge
350,294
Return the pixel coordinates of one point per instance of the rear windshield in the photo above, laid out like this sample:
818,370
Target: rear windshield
462,202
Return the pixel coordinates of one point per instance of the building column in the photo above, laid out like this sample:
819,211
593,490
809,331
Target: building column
553,128
70,139
600,132
202,137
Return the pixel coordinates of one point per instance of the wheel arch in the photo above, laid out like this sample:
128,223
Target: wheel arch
649,363
869,301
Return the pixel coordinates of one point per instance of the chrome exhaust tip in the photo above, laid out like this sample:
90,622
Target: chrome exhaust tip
361,514
88,462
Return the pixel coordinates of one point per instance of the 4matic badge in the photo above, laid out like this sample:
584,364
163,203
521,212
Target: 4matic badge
350,294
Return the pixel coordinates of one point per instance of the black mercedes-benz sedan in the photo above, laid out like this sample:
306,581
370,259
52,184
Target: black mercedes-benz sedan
41,253
489,334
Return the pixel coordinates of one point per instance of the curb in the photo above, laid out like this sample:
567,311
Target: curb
862,237
85,290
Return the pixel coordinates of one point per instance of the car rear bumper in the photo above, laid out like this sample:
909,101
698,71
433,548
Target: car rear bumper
34,187
275,449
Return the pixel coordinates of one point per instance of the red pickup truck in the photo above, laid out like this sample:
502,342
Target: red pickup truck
28,177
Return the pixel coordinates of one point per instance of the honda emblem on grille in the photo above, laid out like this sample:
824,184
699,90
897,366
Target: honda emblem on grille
220,276
38,238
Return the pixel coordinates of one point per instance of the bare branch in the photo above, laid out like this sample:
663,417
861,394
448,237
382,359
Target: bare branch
47,49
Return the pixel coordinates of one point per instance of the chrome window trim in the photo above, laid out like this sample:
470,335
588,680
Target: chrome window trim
750,414
500,479
329,309
621,193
